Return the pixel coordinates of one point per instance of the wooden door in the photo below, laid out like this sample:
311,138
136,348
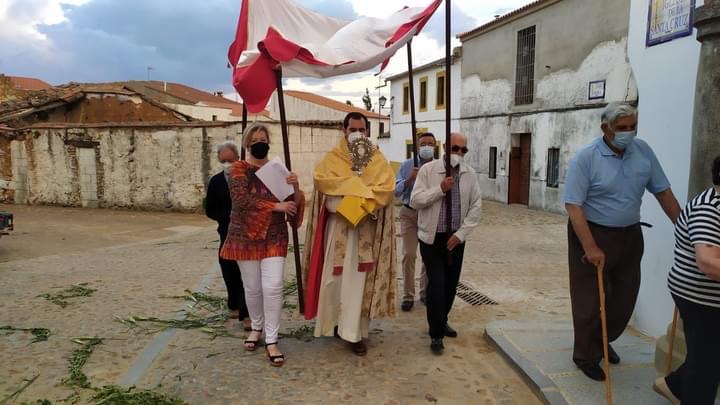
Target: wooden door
519,189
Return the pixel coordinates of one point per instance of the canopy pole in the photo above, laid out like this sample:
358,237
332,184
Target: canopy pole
244,126
448,118
411,97
286,149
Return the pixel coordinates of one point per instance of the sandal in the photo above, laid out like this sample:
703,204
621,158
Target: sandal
275,361
251,345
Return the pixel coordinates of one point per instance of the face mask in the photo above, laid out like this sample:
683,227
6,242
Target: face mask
259,150
354,136
226,165
455,160
427,152
623,139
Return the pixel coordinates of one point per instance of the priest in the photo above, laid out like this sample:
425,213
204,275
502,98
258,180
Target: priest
349,265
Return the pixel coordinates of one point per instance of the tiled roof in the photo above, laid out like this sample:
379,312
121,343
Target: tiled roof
528,8
28,83
333,104
194,96
67,93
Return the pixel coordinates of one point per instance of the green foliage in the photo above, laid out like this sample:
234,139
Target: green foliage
115,395
74,291
39,334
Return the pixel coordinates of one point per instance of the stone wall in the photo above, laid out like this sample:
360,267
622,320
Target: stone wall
139,166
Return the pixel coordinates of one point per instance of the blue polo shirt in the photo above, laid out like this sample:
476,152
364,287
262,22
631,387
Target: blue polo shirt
402,174
608,187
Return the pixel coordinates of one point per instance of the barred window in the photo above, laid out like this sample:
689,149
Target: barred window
553,167
492,168
525,67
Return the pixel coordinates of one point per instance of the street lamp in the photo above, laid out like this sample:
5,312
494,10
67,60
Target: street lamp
382,100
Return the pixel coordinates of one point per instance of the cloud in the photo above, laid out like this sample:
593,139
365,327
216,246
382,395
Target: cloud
107,40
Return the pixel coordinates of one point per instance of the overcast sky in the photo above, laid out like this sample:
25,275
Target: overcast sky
186,41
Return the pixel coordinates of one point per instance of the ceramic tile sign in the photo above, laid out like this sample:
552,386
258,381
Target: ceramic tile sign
669,20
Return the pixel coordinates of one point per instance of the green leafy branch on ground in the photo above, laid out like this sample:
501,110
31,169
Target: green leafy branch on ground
291,248
74,291
115,395
39,334
289,289
213,325
77,361
304,333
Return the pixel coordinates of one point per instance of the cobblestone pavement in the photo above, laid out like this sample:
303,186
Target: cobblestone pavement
516,257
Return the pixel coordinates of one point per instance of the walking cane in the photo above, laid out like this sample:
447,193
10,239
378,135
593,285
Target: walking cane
603,319
671,342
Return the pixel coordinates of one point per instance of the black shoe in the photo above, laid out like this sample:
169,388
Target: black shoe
406,306
450,332
593,371
613,357
437,346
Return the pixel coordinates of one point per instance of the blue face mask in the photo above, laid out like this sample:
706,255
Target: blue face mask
427,152
623,139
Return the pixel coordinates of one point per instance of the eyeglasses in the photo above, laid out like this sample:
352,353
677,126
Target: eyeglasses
456,148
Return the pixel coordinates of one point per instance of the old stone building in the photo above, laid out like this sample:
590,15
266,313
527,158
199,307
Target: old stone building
108,145
534,84
12,87
156,166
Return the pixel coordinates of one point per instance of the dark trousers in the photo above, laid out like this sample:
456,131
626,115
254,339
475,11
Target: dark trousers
233,282
442,283
696,380
623,248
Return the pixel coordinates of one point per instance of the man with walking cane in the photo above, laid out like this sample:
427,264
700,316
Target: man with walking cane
604,187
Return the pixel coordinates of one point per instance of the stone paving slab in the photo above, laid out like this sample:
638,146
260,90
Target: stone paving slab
542,350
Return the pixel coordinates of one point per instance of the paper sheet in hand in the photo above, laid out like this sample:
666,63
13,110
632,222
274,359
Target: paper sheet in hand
274,176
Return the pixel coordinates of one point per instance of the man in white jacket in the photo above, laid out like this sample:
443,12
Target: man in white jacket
441,244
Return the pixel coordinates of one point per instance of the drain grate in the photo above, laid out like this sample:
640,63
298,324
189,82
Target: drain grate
473,297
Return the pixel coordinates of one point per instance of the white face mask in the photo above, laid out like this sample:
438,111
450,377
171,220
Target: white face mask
226,165
455,160
427,152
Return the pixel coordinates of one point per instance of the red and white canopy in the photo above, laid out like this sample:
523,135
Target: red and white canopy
309,44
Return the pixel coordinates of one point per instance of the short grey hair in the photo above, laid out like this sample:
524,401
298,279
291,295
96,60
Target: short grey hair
617,110
227,145
250,131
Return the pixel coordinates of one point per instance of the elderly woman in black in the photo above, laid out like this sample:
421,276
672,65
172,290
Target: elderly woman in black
694,283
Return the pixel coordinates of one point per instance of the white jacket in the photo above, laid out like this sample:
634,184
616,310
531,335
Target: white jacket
427,198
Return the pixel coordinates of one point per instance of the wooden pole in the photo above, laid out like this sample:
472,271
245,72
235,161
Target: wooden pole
448,117
671,341
286,149
411,97
603,320
244,126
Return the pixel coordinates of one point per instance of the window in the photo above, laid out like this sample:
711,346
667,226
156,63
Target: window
214,117
492,167
382,129
423,93
525,67
406,98
440,91
553,167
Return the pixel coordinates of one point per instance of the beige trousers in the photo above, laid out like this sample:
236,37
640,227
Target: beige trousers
409,231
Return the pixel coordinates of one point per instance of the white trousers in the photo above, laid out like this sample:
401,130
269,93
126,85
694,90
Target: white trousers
263,281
